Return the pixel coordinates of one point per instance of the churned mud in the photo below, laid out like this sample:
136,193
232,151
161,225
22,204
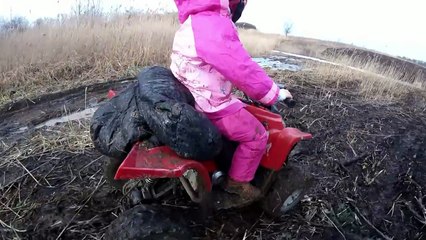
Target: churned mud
367,159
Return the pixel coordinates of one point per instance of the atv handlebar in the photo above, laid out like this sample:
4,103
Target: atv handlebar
289,102
273,108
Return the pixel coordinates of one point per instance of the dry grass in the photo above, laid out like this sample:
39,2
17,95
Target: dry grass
370,85
73,137
65,54
390,75
258,43
390,72
68,53
375,81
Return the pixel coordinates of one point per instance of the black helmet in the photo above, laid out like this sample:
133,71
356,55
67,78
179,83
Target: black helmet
237,8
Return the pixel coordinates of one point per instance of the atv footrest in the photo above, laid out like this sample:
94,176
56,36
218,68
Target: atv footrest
159,162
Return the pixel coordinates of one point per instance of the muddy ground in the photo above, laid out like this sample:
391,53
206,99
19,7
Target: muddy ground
368,160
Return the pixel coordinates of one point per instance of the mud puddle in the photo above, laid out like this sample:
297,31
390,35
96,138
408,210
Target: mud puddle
85,114
79,115
279,63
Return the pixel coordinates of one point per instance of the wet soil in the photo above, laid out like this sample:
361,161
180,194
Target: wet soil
28,113
368,161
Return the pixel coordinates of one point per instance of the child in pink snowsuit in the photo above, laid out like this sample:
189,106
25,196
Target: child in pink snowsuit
209,59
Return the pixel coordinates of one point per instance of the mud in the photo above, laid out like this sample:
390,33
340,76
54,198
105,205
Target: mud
368,161
70,195
26,115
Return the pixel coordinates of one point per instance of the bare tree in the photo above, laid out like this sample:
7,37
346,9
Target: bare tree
288,27
39,22
15,24
90,8
2,22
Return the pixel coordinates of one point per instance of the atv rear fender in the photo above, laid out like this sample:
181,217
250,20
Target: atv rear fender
161,162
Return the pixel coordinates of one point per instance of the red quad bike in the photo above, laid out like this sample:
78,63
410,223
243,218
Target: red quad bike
156,172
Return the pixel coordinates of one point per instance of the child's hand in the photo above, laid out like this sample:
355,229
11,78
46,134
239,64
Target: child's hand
284,94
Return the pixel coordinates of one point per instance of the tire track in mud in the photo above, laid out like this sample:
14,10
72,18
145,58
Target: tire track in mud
24,115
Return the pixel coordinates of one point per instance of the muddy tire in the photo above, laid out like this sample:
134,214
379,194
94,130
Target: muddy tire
149,222
110,168
287,191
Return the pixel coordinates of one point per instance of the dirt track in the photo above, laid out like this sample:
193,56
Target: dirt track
368,161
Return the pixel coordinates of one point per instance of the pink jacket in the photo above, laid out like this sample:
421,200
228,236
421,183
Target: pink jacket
209,59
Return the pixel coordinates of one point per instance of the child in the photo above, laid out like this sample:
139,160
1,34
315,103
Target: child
209,59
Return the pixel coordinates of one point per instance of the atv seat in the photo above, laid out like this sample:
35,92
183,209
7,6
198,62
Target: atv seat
160,162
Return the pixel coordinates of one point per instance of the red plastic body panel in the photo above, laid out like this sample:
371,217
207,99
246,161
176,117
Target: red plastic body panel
268,119
160,162
111,94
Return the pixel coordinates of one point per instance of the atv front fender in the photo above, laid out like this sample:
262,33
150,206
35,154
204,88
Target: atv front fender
280,144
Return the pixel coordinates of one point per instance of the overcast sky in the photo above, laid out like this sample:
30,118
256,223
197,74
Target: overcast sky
393,26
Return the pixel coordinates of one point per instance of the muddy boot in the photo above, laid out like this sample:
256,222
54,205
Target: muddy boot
244,189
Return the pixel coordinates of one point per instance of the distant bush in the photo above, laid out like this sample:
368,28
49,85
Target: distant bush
244,25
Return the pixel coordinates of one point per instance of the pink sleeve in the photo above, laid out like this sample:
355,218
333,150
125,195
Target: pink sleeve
217,43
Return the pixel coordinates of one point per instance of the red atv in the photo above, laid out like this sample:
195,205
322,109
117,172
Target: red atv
153,173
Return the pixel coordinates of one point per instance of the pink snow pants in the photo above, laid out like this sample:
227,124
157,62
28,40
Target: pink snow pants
244,128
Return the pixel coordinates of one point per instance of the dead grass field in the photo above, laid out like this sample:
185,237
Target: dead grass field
61,55
397,70
308,46
382,73
371,85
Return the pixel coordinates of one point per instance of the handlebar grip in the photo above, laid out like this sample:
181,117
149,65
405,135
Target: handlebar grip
274,109
290,102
